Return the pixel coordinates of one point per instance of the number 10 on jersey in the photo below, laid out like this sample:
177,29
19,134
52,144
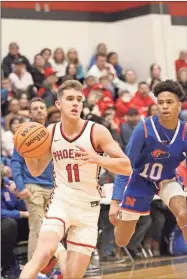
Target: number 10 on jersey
73,173
154,171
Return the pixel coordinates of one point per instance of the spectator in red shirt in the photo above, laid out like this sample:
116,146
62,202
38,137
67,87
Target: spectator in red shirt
123,103
142,100
182,171
89,82
181,62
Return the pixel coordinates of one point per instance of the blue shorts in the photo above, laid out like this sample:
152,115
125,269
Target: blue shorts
139,194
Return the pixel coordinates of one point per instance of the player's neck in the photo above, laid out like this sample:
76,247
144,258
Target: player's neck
169,124
71,127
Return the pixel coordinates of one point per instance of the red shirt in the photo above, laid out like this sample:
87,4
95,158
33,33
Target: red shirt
182,171
142,103
122,107
179,63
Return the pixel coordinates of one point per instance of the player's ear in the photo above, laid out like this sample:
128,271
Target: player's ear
57,103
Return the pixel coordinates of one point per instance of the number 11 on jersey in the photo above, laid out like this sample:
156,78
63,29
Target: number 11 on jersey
73,169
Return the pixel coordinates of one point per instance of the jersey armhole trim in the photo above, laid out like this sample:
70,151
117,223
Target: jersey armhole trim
145,129
184,131
92,140
53,132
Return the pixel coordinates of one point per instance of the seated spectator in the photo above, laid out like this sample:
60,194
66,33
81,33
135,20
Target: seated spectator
6,95
38,71
23,102
152,110
108,246
101,49
58,62
8,61
49,90
106,83
123,103
132,119
182,172
153,83
20,78
12,210
89,82
8,137
53,115
46,54
112,126
13,109
181,62
155,73
70,72
182,79
130,83
142,100
102,68
112,58
72,57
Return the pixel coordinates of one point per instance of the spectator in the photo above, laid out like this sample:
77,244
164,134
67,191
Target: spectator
152,110
49,90
46,54
53,115
23,102
38,71
153,83
72,57
123,104
89,82
105,82
101,49
112,58
34,190
8,137
71,71
155,73
182,79
182,172
6,95
127,128
130,83
181,62
12,210
20,78
8,61
142,100
108,247
59,63
13,109
112,126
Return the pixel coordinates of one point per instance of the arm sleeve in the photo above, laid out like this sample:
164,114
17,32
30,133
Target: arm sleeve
5,213
133,150
17,168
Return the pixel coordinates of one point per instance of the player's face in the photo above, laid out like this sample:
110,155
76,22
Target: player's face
71,103
169,105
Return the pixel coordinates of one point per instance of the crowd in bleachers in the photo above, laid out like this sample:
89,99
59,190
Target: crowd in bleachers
114,98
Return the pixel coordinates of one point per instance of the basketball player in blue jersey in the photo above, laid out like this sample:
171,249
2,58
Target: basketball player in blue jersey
156,148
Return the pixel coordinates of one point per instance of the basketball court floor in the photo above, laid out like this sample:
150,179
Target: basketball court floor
165,267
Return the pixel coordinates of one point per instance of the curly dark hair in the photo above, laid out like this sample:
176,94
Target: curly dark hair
171,86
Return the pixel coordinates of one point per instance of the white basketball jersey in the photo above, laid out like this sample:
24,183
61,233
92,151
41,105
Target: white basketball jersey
74,182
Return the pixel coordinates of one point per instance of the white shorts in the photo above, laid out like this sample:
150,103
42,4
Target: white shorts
167,191
79,222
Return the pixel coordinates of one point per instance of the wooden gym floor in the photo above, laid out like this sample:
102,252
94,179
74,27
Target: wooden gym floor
165,267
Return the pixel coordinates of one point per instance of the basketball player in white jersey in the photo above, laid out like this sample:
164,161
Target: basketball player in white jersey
74,206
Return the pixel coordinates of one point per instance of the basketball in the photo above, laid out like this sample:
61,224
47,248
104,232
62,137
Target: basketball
32,140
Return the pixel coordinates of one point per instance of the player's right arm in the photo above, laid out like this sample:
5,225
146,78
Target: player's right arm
37,166
133,150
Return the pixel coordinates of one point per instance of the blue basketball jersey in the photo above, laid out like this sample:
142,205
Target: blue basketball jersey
160,157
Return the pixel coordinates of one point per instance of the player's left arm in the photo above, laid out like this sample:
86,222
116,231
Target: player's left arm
117,162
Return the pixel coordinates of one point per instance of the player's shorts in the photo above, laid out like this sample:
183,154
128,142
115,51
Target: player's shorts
80,221
140,193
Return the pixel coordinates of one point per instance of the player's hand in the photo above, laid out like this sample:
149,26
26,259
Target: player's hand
115,211
24,194
86,156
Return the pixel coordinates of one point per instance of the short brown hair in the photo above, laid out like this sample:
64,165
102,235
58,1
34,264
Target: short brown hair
70,84
33,100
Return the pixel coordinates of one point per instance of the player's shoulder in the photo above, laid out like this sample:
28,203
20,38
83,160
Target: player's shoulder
99,129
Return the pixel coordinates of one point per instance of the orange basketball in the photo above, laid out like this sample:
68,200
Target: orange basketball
32,140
